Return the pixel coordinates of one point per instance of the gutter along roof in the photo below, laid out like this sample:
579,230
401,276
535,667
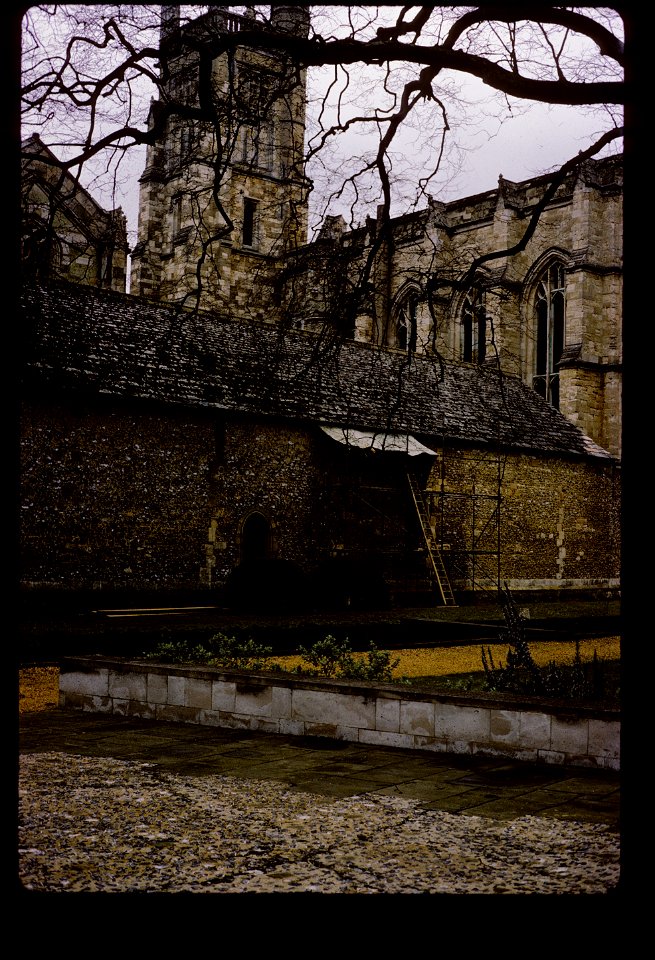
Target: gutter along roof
81,339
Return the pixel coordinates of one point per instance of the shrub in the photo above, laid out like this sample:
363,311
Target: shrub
178,651
576,681
220,651
326,658
334,658
239,654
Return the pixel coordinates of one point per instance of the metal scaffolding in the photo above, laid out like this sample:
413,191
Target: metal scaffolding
471,554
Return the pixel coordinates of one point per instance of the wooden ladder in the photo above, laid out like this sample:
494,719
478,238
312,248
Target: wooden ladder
434,552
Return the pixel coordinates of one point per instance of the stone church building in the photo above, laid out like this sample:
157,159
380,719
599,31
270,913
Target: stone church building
65,232
356,419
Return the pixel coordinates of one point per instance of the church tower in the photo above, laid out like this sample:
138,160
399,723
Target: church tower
223,195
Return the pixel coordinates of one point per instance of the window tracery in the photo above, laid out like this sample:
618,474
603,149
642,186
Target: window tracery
474,327
549,323
405,326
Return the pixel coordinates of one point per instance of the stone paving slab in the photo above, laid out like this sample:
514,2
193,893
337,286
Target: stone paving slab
326,764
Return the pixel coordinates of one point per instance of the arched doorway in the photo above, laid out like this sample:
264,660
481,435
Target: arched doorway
255,538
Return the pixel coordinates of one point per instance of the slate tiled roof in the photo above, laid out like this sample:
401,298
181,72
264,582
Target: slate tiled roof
81,339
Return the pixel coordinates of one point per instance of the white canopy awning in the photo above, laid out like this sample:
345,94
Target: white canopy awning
388,442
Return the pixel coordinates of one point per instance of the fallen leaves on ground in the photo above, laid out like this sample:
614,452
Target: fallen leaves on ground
38,688
444,661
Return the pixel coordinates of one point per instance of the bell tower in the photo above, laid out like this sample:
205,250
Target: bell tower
223,196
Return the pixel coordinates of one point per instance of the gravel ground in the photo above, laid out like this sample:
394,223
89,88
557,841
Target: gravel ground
101,825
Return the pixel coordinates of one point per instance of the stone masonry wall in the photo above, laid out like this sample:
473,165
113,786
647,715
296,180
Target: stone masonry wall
559,519
113,498
183,235
121,497
379,714
268,468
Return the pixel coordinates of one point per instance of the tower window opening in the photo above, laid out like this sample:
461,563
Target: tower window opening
257,145
249,221
186,142
177,214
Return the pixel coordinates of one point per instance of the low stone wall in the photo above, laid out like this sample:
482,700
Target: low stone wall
381,714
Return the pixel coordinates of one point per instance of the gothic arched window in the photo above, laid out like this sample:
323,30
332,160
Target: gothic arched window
474,327
42,254
404,331
549,310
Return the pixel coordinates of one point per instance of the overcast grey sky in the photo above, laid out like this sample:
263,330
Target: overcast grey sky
490,136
